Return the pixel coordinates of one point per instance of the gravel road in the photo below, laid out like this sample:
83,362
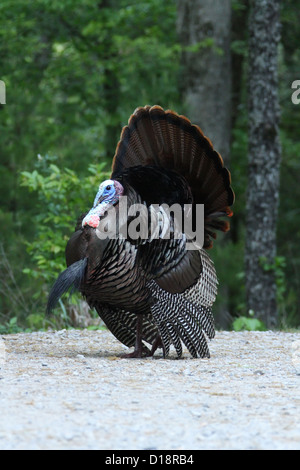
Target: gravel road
71,390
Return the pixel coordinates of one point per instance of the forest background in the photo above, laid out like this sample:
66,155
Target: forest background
74,71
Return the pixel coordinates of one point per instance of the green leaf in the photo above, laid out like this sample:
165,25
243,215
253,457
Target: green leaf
249,324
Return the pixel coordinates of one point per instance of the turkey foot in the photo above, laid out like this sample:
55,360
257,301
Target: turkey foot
134,354
139,347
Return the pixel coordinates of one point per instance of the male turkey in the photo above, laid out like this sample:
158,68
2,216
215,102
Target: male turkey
152,290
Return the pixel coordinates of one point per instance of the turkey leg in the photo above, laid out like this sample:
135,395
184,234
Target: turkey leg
138,348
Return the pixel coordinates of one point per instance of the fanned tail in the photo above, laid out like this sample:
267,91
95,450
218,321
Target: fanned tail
167,140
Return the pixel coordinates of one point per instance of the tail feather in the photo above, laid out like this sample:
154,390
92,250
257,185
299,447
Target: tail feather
72,277
204,292
165,337
180,320
175,337
165,139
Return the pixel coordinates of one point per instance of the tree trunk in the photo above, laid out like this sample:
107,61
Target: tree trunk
204,31
263,159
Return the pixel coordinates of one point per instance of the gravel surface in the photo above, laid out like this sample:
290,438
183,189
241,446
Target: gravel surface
71,390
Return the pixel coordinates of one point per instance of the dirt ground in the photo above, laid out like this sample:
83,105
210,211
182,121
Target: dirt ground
71,390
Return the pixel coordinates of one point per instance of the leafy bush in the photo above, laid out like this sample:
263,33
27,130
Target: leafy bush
62,197
248,323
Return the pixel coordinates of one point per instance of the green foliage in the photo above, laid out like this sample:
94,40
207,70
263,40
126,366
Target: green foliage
286,301
248,323
62,196
74,72
278,268
72,80
10,327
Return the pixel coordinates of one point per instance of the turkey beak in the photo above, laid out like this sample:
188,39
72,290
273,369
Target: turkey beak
101,198
98,199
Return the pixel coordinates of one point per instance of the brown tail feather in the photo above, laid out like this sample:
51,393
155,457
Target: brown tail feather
164,138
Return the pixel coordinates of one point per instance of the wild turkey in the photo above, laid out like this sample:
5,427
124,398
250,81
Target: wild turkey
152,292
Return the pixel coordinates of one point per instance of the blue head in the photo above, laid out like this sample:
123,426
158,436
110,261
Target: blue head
108,194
